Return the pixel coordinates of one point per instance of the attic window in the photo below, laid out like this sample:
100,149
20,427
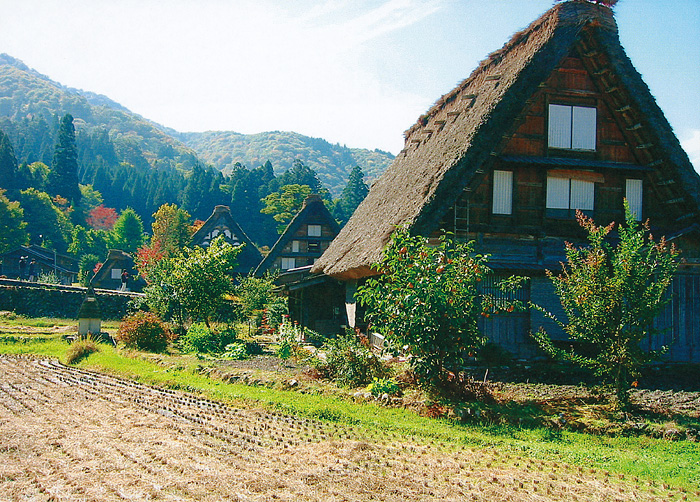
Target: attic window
314,230
572,127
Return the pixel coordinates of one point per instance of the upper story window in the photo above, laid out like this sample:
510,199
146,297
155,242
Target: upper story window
295,246
502,192
288,263
572,127
565,195
314,230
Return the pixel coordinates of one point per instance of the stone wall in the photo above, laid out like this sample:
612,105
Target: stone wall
48,300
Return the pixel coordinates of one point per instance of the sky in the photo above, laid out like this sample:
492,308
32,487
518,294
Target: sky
354,72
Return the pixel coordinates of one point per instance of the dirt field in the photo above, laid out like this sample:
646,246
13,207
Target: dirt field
67,434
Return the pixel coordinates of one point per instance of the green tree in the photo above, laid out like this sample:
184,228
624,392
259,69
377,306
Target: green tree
195,279
127,233
46,224
12,231
88,241
8,163
426,301
63,178
611,295
90,198
171,228
284,204
86,268
354,192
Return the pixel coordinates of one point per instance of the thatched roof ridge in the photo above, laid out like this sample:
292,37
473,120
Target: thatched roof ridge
313,205
450,146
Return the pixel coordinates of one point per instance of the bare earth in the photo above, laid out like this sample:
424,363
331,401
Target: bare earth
68,434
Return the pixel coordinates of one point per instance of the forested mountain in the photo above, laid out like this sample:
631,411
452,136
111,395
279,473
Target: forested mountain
28,97
37,102
333,163
72,162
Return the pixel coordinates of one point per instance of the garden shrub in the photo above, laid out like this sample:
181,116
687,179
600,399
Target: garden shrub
380,386
199,338
236,350
144,331
350,362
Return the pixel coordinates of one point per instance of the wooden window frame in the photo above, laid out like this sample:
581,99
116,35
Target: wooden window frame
571,137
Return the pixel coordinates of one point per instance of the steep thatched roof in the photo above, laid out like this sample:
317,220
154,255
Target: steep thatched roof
451,145
221,222
313,211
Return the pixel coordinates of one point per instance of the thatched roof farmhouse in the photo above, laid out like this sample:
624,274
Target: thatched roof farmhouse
556,120
221,222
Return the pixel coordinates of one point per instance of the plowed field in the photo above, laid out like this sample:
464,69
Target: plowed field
69,434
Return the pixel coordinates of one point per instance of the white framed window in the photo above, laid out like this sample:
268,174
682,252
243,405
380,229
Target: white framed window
572,127
288,263
295,246
633,194
314,231
116,273
502,192
569,194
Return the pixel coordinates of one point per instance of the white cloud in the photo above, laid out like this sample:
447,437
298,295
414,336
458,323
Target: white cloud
691,144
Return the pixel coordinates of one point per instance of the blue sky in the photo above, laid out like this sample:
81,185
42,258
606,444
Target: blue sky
354,72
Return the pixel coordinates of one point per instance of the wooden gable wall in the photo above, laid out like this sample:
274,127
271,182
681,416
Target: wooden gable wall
614,160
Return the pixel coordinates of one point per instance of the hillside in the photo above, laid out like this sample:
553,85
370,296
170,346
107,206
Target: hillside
28,96
333,163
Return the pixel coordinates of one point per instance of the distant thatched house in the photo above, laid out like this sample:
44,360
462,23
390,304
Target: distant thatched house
221,222
556,120
304,240
313,301
109,276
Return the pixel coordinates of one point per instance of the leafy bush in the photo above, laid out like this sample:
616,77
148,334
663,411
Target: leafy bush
201,339
144,331
236,350
611,295
48,277
80,349
350,362
380,386
227,335
428,303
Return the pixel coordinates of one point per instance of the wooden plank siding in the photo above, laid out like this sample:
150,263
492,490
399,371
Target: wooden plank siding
532,236
681,321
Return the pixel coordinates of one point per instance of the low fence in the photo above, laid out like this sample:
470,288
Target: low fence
35,299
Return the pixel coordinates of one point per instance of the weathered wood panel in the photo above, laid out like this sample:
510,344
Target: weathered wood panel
680,321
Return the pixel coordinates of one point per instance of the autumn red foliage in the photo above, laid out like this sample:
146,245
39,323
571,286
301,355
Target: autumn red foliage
102,218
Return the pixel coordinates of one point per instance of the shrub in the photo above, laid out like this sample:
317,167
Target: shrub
237,350
350,362
201,339
80,349
427,302
144,331
380,386
227,336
